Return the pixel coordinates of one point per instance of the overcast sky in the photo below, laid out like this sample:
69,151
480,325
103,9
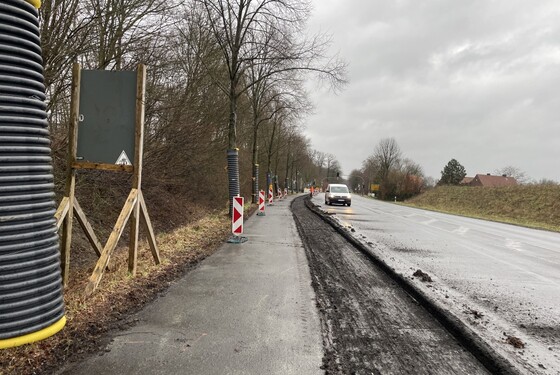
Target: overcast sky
477,80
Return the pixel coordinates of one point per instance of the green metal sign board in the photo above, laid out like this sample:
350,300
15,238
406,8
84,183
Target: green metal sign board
106,127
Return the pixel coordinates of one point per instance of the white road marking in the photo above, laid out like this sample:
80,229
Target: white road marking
461,231
513,244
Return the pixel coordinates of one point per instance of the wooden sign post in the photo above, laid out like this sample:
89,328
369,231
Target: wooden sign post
134,207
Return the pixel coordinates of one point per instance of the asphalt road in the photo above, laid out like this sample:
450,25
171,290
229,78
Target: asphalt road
370,324
508,274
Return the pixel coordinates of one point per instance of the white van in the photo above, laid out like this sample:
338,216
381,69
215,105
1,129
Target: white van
338,193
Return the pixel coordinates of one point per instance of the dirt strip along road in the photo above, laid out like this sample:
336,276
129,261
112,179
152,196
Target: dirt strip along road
370,325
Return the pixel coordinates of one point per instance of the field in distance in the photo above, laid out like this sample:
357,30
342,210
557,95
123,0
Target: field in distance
533,206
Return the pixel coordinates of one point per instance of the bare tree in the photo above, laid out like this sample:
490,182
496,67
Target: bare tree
409,179
357,181
319,158
281,125
190,78
121,26
511,171
370,167
301,162
268,97
64,32
411,168
387,154
546,181
330,160
242,28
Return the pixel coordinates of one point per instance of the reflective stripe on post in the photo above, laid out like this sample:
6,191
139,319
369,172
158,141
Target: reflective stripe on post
237,216
270,194
261,201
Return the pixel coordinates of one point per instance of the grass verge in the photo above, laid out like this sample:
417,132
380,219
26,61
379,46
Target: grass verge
533,206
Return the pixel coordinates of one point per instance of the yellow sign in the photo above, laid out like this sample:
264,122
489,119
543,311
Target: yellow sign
374,187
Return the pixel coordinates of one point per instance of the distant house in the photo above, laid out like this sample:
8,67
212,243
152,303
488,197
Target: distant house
488,180
466,181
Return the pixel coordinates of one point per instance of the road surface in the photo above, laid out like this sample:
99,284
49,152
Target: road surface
503,279
371,326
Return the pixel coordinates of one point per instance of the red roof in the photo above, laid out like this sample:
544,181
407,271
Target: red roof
492,181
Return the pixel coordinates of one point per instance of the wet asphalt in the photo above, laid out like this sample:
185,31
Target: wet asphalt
371,325
247,309
510,274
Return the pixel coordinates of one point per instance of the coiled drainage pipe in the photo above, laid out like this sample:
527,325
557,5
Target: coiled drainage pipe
233,176
31,303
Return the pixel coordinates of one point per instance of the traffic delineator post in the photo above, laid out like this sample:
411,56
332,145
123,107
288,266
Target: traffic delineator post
285,192
237,221
261,204
270,195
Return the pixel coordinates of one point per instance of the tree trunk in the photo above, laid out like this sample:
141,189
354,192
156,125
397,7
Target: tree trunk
232,153
255,160
232,126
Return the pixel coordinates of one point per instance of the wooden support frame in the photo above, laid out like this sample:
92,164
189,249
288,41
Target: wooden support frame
103,166
71,176
61,212
149,229
111,244
134,207
137,179
86,226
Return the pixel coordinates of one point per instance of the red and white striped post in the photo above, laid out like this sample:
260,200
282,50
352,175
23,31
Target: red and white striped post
261,204
237,221
237,217
270,195
285,192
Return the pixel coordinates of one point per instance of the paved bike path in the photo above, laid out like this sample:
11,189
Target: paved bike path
247,309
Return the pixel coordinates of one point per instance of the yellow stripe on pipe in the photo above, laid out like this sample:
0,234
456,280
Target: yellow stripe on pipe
35,336
35,3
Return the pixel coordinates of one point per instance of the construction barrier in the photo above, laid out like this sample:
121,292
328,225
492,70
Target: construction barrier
237,221
261,204
285,192
237,217
270,195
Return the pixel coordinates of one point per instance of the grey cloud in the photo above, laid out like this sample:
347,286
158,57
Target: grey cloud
471,80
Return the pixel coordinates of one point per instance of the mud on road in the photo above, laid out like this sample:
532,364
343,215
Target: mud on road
370,324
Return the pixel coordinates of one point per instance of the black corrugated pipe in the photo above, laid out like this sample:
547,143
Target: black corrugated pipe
276,186
31,303
233,176
268,183
255,183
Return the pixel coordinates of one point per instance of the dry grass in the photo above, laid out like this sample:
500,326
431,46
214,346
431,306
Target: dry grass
534,206
119,295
